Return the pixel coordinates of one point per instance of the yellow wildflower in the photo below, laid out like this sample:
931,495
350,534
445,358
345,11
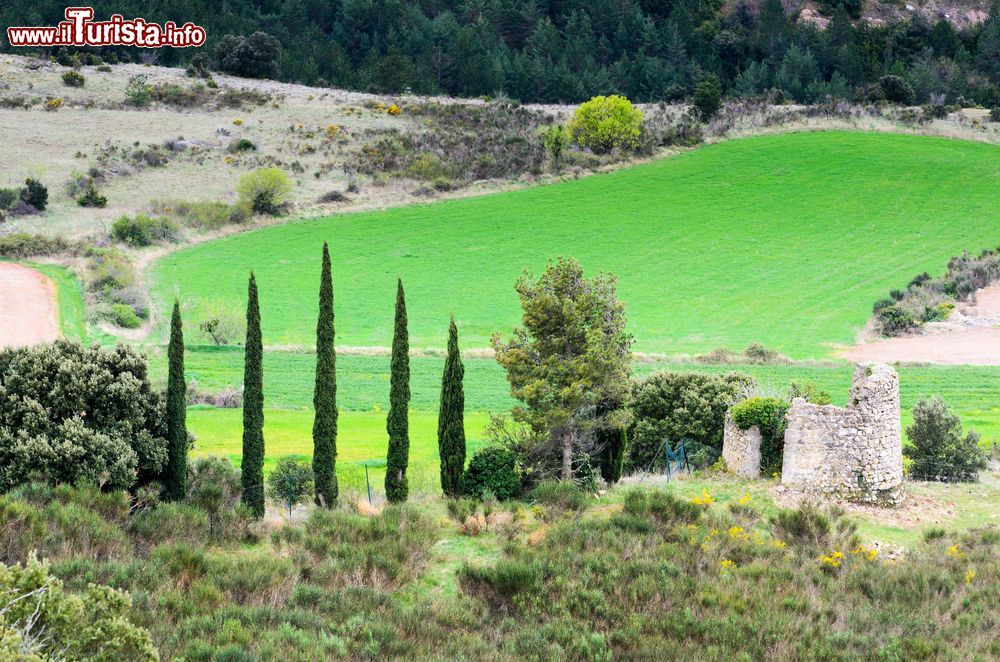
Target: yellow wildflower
727,563
970,575
394,110
238,122
745,500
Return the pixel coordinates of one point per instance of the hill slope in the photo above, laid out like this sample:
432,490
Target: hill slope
783,240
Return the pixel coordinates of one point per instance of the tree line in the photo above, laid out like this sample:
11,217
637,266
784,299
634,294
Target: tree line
451,424
571,50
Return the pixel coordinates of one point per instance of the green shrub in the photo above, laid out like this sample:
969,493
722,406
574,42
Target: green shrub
39,620
555,140
671,406
243,145
290,481
92,198
256,56
137,93
938,449
768,414
120,314
35,194
809,391
895,320
108,269
493,469
141,230
120,441
104,69
502,581
564,495
938,312
8,196
73,78
707,97
265,190
804,525
22,244
896,90
606,123
995,114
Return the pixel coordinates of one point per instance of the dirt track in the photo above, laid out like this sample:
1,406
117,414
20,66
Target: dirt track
945,343
28,314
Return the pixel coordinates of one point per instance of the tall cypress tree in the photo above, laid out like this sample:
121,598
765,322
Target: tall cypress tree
253,408
325,394
451,418
177,440
397,424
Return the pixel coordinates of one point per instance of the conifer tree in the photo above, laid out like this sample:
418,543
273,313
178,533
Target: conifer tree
397,424
325,394
252,467
451,418
175,479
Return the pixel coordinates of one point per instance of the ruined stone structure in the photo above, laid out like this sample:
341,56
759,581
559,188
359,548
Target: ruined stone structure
853,452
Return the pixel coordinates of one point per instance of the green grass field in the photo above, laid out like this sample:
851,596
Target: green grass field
785,240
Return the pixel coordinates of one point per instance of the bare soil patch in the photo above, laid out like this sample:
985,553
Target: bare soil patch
28,308
971,336
916,510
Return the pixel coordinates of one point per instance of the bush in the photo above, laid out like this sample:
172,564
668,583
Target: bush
119,443
894,320
108,269
555,140
708,97
22,244
768,414
35,194
290,481
493,469
8,196
264,191
896,90
256,56
560,494
671,406
91,198
73,78
606,123
243,145
120,314
137,93
939,450
222,324
213,485
995,114
39,620
141,230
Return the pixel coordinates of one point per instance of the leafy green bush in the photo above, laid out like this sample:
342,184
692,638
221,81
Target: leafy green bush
493,469
141,230
894,320
255,56
243,145
555,140
671,406
502,581
995,114
290,481
108,269
265,190
137,93
606,123
22,244
40,621
809,391
805,525
938,448
896,90
92,198
73,78
118,443
768,414
35,194
561,494
120,314
8,196
707,97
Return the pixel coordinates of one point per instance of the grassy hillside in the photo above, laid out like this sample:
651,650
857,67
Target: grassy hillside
784,240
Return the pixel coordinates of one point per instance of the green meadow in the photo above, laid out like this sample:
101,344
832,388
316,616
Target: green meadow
785,240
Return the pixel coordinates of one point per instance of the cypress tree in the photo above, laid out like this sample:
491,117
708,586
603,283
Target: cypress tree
252,468
175,479
397,424
451,418
325,394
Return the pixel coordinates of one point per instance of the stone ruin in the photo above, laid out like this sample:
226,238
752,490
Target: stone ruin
854,452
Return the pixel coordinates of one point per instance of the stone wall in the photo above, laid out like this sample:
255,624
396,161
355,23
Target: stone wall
854,451
741,449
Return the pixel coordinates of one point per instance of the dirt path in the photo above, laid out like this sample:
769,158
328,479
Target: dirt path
28,309
971,336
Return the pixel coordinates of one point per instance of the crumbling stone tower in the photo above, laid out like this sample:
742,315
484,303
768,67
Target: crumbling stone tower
853,452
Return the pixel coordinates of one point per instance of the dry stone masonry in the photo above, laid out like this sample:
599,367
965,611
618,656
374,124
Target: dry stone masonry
853,452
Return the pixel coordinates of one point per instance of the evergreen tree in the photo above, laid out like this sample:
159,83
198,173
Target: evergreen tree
451,418
253,408
397,424
325,394
175,479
